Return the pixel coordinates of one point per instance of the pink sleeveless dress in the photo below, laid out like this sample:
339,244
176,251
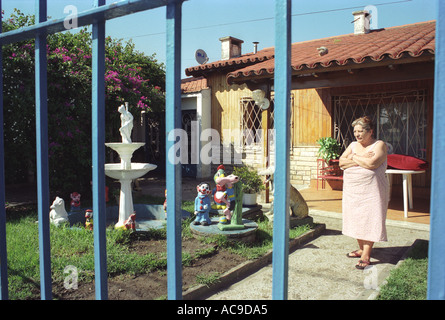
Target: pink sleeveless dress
365,202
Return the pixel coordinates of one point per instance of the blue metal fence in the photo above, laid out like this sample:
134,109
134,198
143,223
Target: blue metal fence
97,17
436,259
3,255
282,116
173,172
42,153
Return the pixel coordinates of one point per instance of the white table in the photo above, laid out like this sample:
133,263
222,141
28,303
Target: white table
407,186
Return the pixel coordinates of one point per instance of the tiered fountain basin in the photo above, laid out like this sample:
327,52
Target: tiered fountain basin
125,151
126,172
148,216
136,170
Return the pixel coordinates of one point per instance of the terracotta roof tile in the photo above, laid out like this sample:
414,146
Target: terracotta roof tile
396,42
242,61
191,85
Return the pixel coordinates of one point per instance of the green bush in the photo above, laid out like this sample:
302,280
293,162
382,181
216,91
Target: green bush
250,179
130,76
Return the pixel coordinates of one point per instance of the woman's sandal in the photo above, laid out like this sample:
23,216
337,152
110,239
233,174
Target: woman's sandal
353,254
362,264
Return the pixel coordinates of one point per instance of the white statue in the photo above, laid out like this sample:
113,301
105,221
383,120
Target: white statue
126,123
58,214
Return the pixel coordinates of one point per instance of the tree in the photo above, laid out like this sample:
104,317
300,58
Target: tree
130,77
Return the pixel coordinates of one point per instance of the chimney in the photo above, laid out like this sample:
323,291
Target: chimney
255,47
230,47
361,22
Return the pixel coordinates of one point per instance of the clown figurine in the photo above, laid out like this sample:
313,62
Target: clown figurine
202,205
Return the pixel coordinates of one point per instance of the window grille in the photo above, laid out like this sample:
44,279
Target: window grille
400,119
251,121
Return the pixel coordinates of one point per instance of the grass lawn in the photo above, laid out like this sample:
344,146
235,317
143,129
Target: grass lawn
74,246
409,280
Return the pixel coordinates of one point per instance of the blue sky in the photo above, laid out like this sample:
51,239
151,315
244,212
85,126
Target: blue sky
205,21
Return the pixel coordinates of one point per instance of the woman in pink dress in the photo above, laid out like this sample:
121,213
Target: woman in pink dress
365,190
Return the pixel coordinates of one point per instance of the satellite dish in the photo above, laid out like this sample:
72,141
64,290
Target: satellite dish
201,56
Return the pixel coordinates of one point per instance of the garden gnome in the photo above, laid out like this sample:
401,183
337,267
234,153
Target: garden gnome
89,219
223,194
58,214
202,205
75,201
130,223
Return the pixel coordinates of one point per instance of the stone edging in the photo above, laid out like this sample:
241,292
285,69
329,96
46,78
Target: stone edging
243,270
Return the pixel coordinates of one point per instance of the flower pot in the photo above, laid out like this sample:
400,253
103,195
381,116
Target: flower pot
249,199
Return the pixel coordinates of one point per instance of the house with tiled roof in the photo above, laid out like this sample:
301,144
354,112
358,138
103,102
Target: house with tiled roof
196,111
385,73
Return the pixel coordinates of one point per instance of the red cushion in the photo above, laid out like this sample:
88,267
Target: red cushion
402,162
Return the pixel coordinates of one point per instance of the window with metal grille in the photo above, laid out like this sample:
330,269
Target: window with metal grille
251,120
400,119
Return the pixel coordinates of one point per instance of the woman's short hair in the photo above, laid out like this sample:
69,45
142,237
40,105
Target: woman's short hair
366,123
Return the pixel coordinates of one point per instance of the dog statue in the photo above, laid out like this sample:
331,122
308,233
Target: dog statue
223,194
298,206
202,205
58,214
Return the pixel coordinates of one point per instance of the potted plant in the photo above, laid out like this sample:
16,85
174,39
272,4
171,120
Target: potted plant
329,150
251,184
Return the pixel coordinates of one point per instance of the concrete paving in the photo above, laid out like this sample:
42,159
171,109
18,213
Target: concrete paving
320,270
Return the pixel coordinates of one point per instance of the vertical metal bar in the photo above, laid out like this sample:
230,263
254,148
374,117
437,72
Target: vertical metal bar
98,155
42,154
3,252
282,117
173,171
436,259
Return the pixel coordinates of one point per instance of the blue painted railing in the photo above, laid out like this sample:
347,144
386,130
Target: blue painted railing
42,153
282,116
173,172
97,17
98,155
3,255
436,259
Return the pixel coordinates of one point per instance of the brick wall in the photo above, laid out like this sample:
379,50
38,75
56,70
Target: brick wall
303,164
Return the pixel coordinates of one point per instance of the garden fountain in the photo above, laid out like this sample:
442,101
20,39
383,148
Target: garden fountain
126,171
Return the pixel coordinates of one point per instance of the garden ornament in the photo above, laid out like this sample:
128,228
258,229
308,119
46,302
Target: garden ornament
126,123
236,221
223,194
58,214
89,219
130,223
202,205
75,201
298,206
